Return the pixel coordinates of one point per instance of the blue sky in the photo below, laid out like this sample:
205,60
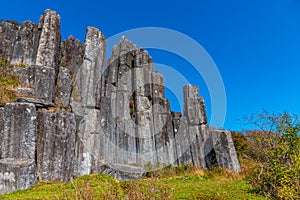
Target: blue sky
255,44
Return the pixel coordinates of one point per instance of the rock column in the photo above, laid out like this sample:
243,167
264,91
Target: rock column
83,101
17,164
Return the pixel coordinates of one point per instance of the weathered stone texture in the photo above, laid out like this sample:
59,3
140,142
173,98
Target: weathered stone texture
39,103
42,80
63,88
19,137
87,142
26,44
55,145
1,125
182,142
89,76
7,39
194,108
224,150
17,174
72,54
124,172
48,51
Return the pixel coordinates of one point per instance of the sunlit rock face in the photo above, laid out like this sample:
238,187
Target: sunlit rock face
81,115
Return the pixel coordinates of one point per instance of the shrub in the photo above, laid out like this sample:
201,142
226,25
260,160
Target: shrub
276,147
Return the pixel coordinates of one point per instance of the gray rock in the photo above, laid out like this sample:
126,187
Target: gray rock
124,172
88,140
158,85
42,80
224,149
63,88
183,143
19,137
25,92
17,174
55,145
194,106
48,51
88,77
26,44
8,32
72,54
37,102
1,125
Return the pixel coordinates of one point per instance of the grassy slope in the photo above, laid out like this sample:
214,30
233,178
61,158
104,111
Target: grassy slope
7,82
193,184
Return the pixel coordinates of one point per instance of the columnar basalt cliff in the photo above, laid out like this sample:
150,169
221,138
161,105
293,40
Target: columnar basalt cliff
85,117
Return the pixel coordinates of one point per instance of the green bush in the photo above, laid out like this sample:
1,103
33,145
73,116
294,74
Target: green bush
277,150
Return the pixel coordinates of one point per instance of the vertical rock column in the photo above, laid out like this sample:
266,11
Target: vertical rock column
8,31
72,54
42,75
1,126
19,137
26,44
17,166
42,79
83,101
121,135
182,140
143,108
162,122
194,110
55,145
48,53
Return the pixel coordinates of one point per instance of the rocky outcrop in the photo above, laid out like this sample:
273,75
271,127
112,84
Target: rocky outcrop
55,145
79,116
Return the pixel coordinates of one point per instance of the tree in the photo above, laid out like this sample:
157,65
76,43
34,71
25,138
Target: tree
276,147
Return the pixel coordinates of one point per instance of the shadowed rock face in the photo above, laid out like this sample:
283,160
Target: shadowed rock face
84,117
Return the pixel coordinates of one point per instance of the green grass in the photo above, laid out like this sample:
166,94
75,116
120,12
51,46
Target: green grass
8,81
165,184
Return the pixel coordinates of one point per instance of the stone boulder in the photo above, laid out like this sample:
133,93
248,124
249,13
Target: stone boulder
124,172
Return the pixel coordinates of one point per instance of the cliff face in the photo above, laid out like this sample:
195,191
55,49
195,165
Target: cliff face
85,117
